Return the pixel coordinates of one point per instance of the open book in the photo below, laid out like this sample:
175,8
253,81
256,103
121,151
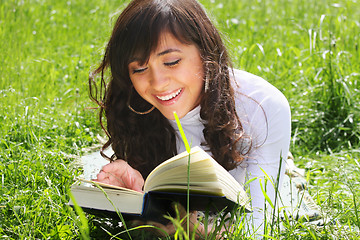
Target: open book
211,188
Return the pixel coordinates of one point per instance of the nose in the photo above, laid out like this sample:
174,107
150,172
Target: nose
159,79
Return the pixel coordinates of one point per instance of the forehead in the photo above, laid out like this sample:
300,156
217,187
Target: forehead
167,40
167,43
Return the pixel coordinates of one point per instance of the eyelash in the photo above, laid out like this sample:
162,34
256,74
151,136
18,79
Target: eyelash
168,64
138,70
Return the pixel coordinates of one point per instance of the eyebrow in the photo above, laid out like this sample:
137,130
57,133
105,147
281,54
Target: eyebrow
170,50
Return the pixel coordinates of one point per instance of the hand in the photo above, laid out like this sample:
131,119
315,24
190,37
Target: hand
170,229
120,173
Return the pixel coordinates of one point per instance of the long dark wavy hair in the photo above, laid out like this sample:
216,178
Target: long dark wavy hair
144,141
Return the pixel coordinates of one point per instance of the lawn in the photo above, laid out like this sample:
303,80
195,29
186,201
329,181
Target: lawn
308,49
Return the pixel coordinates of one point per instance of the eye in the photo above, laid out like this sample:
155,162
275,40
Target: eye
138,70
173,63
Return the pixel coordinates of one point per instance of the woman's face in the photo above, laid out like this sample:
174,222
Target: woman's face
173,78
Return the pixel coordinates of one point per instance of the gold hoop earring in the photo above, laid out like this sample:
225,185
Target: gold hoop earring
140,113
133,110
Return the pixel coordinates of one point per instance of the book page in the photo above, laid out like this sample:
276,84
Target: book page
105,185
206,176
175,165
94,198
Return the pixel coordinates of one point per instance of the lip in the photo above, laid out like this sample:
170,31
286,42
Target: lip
170,101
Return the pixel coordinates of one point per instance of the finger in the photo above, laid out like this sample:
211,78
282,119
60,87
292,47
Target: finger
183,212
116,180
101,176
114,172
106,181
135,223
120,173
179,209
168,229
133,179
109,178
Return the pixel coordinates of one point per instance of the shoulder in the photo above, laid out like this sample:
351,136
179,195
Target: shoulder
257,88
254,90
261,107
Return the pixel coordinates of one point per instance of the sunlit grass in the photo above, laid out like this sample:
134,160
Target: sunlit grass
308,49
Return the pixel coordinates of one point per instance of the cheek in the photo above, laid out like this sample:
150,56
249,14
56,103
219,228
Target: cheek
199,80
196,86
199,87
195,73
138,87
137,82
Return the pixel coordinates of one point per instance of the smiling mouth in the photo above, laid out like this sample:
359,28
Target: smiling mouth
170,96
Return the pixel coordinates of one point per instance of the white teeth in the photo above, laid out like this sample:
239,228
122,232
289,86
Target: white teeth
170,96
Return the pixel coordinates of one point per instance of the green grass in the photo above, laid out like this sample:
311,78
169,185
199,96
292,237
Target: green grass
308,49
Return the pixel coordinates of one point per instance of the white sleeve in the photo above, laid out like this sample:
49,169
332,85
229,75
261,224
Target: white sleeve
265,114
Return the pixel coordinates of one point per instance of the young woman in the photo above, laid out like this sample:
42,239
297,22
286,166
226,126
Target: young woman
165,56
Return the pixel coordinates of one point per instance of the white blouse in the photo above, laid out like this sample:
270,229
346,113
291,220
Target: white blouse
264,113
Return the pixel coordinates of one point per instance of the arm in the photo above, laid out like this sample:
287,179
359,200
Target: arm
196,228
269,158
265,113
